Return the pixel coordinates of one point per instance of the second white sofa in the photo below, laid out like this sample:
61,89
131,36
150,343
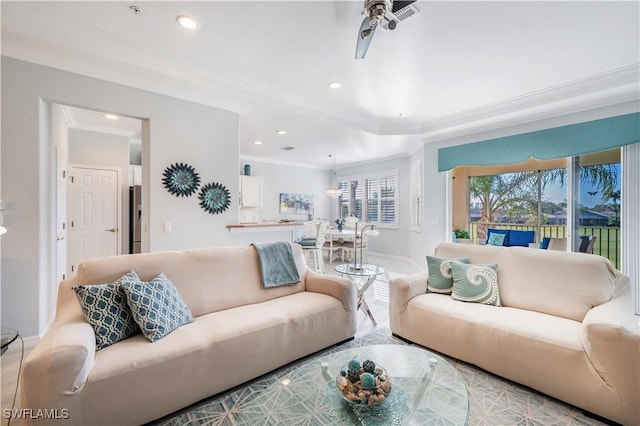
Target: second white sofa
566,325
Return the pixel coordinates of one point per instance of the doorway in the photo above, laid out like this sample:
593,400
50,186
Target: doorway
98,155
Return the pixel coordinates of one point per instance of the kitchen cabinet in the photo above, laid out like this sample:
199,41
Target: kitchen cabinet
250,191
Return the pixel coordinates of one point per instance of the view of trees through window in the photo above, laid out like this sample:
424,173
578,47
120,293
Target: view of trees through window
537,200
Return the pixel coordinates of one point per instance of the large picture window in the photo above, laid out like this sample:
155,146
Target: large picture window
372,198
536,200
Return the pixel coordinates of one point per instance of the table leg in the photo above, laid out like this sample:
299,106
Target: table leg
362,303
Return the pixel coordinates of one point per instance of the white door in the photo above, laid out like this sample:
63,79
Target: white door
95,214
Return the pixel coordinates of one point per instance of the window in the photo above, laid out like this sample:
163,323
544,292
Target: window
372,198
538,201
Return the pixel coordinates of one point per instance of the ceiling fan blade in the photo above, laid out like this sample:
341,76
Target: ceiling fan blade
397,5
365,34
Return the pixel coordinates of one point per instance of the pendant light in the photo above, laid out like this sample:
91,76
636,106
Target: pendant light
334,190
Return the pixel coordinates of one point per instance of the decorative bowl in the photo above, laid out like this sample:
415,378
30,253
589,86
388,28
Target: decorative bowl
364,384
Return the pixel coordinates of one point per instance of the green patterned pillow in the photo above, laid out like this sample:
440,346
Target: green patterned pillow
440,279
475,283
156,306
105,307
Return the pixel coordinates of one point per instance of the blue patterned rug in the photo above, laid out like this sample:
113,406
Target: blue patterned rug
492,399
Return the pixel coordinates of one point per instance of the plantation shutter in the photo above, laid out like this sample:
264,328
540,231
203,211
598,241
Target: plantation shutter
357,195
372,200
388,199
343,200
416,197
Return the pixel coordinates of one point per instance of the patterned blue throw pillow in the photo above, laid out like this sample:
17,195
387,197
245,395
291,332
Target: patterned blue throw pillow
156,306
105,307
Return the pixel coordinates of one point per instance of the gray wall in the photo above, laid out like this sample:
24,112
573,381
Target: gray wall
176,131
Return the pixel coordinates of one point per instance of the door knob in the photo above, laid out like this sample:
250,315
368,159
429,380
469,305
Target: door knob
111,230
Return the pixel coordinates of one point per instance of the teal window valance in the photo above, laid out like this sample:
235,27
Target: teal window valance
558,142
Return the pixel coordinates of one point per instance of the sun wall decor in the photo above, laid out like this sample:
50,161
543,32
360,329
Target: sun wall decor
214,198
181,180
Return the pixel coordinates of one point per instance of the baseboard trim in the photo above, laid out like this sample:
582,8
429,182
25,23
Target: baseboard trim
402,258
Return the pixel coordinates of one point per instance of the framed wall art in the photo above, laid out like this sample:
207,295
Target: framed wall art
296,203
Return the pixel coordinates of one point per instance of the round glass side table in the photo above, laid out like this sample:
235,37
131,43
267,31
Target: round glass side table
355,271
8,336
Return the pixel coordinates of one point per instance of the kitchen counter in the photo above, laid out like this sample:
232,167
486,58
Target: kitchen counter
294,228
250,225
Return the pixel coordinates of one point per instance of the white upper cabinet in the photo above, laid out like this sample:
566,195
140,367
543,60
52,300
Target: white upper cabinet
250,191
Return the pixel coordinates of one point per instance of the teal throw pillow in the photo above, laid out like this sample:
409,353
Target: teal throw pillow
475,283
156,306
105,307
440,279
496,239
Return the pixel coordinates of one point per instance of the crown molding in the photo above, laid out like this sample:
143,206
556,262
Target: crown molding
146,68
267,160
93,128
616,86
622,97
108,130
212,87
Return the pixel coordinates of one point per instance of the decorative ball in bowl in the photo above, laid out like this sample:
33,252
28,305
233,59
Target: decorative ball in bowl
364,384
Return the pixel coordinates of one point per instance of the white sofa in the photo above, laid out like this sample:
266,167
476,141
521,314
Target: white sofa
566,325
240,331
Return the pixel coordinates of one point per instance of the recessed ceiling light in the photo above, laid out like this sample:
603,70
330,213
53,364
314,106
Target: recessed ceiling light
187,22
281,132
111,116
258,142
335,85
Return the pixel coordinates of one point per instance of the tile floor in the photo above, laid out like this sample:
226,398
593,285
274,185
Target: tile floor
377,295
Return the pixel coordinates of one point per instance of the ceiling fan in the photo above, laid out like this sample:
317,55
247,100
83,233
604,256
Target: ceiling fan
381,13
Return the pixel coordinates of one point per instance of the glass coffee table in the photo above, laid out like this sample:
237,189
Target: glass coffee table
426,390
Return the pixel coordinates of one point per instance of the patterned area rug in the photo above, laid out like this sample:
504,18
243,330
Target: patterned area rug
492,399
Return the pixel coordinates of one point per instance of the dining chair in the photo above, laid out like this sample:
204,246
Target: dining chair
312,245
332,246
558,244
359,244
586,244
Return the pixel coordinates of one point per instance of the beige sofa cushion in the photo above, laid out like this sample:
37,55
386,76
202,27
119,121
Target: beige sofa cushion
194,274
538,350
556,283
212,354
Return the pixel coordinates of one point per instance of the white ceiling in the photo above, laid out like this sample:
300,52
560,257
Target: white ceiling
455,68
82,118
